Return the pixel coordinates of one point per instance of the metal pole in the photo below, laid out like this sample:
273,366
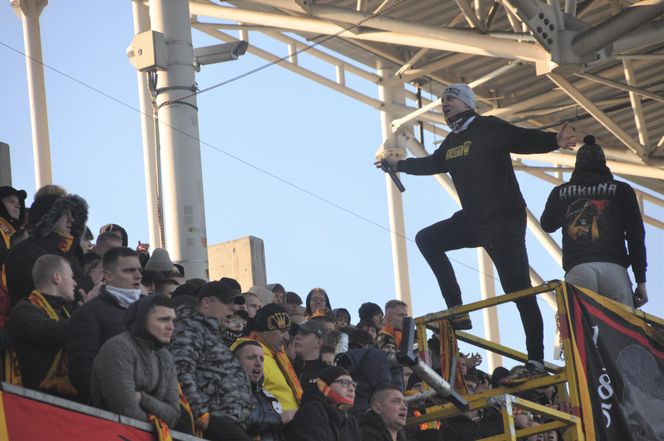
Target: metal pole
392,91
489,315
29,11
142,24
179,152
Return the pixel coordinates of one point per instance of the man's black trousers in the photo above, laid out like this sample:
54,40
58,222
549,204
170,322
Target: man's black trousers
505,242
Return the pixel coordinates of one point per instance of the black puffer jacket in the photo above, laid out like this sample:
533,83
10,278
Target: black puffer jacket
87,330
374,429
319,420
44,240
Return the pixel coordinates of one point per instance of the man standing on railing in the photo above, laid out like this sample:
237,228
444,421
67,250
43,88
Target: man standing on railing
476,154
597,215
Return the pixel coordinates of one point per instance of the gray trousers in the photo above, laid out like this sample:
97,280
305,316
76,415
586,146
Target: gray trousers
608,279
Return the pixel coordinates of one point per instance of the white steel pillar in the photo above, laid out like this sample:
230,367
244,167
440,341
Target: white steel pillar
391,90
29,11
142,24
489,315
179,151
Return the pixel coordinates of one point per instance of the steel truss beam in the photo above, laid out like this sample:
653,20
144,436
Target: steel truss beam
386,30
595,111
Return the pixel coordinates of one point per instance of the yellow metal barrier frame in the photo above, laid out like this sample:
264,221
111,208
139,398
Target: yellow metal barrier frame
562,375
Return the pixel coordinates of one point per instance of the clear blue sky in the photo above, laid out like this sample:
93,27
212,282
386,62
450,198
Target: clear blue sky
280,122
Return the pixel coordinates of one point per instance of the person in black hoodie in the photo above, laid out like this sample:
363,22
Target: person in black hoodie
597,214
386,418
317,302
323,415
56,224
476,154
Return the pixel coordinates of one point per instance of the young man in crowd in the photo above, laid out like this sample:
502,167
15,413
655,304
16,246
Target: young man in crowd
212,379
387,417
371,312
133,373
324,412
598,214
395,312
37,327
267,419
101,318
107,241
308,345
476,154
271,330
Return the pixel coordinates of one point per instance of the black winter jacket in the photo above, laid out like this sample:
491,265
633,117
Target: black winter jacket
319,420
36,338
22,258
44,240
371,369
87,330
265,420
374,429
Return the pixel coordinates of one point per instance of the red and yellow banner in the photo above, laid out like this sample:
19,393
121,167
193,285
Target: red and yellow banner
620,364
23,419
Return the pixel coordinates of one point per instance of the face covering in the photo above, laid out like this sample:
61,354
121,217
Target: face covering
125,297
341,402
456,122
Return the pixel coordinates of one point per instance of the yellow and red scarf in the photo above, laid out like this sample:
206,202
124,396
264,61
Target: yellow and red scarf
57,378
285,366
341,402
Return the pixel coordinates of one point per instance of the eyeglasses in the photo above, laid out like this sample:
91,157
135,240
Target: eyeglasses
346,383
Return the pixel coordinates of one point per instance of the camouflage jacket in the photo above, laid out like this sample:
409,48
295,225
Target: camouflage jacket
211,377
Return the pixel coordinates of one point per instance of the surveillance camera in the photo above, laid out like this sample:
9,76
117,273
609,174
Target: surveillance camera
219,53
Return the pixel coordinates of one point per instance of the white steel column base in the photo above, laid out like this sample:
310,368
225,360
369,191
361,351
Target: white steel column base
489,315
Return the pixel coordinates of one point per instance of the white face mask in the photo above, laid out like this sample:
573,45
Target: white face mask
125,297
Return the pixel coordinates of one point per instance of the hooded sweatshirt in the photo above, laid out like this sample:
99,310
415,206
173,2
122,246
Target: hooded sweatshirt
597,215
132,363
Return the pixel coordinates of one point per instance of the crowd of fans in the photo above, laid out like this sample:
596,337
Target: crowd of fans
126,331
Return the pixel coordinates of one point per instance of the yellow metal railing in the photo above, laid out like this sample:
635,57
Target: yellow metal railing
563,377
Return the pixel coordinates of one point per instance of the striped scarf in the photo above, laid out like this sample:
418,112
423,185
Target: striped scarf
57,378
340,402
285,366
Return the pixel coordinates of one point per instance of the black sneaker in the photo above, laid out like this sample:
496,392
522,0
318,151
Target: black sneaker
462,322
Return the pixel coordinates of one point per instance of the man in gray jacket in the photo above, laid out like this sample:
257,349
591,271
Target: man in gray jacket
134,373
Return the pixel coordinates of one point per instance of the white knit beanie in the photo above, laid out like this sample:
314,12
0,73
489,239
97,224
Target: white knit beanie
462,92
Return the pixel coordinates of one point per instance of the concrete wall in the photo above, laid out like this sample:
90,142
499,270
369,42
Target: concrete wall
5,165
242,259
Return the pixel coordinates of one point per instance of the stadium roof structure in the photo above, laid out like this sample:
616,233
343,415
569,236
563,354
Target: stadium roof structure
598,64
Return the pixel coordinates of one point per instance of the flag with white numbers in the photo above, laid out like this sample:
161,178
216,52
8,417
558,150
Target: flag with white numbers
620,363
